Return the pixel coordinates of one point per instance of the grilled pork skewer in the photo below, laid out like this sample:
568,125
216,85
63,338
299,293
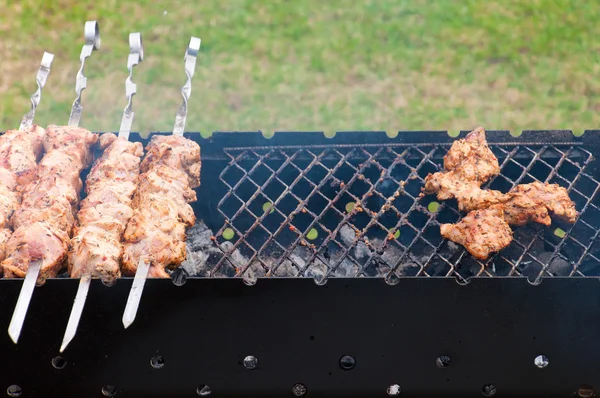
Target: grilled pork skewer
44,221
155,235
20,150
96,249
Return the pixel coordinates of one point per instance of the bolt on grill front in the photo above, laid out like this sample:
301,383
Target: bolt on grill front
355,211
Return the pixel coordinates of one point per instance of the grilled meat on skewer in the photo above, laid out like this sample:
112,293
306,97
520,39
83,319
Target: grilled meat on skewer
19,153
156,232
44,221
104,213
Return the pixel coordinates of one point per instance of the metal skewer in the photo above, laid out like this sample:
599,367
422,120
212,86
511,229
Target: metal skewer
40,79
141,274
92,42
136,55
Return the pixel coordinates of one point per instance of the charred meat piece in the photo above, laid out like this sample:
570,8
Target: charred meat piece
156,232
481,232
44,221
468,164
104,213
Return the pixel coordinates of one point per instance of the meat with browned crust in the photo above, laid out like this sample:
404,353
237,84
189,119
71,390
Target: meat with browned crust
481,232
45,219
489,209
156,232
468,164
536,202
104,213
19,152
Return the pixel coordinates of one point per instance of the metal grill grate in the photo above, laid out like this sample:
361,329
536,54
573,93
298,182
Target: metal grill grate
348,210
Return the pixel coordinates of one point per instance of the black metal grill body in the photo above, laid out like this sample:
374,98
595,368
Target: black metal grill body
286,212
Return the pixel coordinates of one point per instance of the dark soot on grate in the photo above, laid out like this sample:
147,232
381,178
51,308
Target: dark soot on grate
355,211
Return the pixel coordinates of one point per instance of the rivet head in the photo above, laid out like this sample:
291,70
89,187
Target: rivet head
347,362
541,361
299,390
394,390
203,390
250,362
14,391
489,390
443,361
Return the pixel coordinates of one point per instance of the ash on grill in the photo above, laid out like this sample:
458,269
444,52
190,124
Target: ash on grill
203,255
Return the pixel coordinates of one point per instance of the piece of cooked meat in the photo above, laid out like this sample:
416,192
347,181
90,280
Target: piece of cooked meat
45,219
472,159
104,213
481,232
468,164
536,202
156,232
469,196
19,152
5,233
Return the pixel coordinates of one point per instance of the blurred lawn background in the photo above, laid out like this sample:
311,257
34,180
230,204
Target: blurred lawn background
313,65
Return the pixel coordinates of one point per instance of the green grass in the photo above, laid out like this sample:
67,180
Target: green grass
314,65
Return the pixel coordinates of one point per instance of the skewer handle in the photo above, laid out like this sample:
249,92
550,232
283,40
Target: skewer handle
40,79
92,42
136,55
190,65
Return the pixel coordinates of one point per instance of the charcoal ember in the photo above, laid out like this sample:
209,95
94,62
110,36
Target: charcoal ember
203,256
316,269
347,235
346,269
361,250
253,272
390,257
557,266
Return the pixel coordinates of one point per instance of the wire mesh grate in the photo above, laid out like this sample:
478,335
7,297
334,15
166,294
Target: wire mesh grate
355,211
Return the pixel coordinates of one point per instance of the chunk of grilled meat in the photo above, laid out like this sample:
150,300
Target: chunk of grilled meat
19,152
468,164
156,232
536,202
104,213
45,219
481,232
489,209
4,235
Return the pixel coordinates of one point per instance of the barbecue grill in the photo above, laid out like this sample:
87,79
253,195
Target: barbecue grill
265,305
316,268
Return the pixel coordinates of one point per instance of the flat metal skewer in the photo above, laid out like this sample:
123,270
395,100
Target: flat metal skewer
40,79
92,42
136,55
141,274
